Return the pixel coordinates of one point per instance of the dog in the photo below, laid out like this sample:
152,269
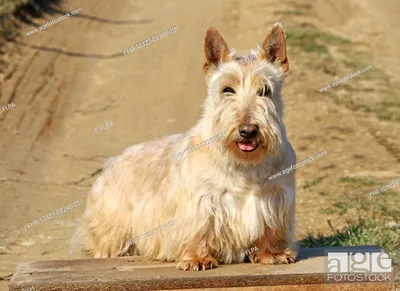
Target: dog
219,196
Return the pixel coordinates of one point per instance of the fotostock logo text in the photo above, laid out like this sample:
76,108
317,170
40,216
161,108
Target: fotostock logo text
358,267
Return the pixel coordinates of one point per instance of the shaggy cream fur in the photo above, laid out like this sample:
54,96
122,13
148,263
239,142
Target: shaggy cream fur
219,195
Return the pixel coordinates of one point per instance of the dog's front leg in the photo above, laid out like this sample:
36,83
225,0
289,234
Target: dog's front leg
280,253
277,244
195,253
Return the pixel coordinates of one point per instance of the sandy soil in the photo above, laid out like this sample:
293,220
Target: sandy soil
71,78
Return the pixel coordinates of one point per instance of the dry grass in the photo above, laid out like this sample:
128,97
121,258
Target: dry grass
13,12
9,6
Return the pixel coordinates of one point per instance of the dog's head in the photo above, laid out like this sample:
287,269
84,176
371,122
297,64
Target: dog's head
244,95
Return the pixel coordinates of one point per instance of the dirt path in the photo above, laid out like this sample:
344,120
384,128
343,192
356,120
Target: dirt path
69,79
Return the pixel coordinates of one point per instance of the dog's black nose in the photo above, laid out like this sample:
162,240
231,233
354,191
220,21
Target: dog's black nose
248,131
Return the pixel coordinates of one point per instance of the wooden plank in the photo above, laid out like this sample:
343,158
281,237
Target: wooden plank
137,273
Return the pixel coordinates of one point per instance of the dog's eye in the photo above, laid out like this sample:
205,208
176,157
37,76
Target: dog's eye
264,91
228,90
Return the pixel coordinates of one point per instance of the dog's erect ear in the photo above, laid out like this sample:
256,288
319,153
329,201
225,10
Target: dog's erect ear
274,47
215,49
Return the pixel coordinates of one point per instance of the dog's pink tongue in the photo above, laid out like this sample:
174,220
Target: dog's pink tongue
246,146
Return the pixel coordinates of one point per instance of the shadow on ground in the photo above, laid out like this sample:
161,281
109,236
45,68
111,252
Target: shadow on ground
18,12
37,9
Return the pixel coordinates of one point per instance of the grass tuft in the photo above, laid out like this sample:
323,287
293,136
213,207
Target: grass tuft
313,182
311,39
361,181
357,233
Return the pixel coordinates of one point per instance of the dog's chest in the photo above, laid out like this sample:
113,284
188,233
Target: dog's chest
240,217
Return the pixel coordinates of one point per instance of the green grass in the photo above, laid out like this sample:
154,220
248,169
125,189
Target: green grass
310,39
346,179
292,12
358,93
313,182
358,233
302,6
344,206
361,181
386,110
387,107
375,205
356,198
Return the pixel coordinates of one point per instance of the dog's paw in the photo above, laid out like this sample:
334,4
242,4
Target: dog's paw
197,264
287,257
269,258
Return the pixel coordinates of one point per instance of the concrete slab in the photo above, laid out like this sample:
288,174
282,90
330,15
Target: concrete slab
137,273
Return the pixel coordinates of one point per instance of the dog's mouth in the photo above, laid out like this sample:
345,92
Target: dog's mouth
246,146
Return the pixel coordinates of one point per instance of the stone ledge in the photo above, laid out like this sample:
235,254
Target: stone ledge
137,273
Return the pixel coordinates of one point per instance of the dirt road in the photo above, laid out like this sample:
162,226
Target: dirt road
72,77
